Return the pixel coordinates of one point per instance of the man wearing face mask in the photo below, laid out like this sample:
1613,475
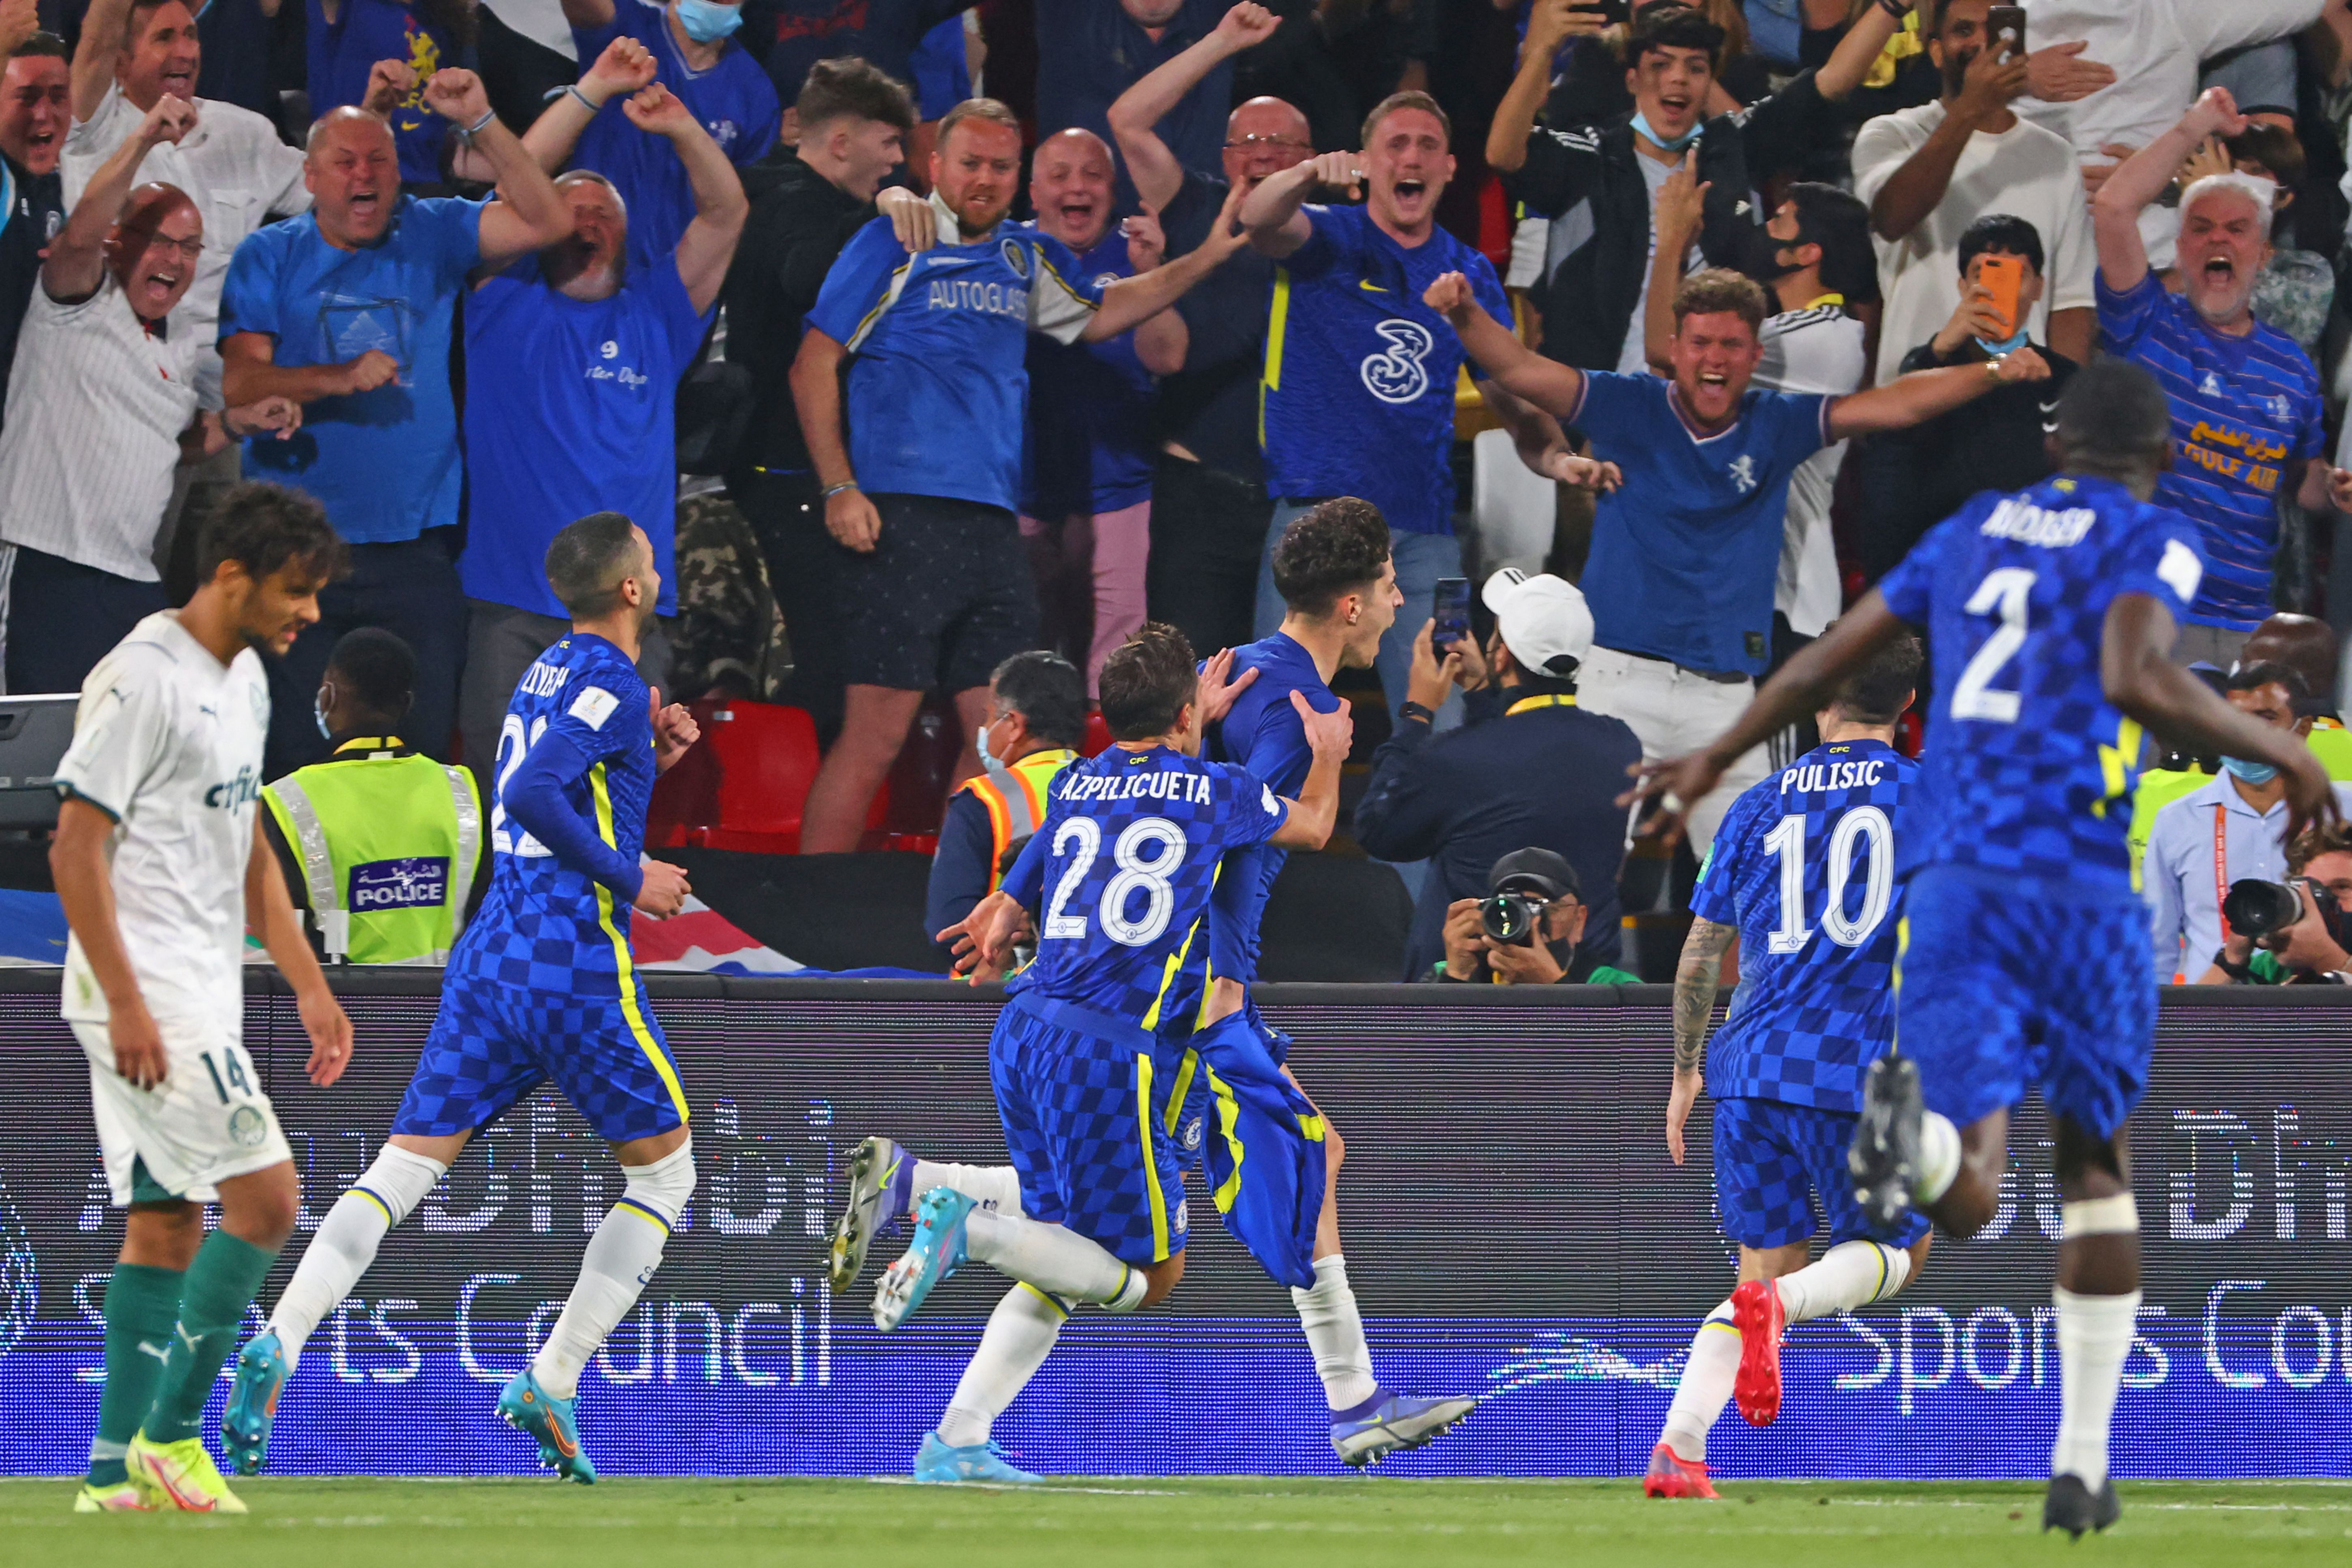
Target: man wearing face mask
380,844
2246,404
697,56
2231,829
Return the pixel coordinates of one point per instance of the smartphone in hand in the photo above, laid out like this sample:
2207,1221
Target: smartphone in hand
1451,610
2003,275
2005,25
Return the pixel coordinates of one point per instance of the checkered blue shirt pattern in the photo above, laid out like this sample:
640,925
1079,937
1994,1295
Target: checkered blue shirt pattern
1133,840
1804,1023
540,927
1781,1176
2029,770
491,1045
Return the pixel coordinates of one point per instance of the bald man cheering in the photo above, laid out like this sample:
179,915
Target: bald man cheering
1209,505
102,403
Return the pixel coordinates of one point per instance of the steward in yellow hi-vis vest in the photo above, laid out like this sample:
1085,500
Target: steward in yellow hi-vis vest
1036,722
382,844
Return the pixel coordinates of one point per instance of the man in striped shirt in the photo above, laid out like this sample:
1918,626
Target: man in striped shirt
2246,405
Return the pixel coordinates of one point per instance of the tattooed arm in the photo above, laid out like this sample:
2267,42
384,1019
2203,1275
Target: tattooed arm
1694,981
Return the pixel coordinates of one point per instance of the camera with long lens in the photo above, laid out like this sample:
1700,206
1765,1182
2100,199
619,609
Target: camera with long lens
2259,910
1511,918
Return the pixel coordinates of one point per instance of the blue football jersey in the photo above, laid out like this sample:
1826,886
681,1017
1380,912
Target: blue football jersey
2028,769
937,392
1804,866
544,925
1132,841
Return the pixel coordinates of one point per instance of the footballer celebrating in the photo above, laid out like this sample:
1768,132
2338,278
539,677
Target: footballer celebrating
159,864
540,986
2022,962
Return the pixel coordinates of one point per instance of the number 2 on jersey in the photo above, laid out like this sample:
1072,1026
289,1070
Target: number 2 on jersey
1788,841
2005,592
1154,876
501,837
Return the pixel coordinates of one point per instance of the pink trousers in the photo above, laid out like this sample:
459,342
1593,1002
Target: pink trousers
1090,580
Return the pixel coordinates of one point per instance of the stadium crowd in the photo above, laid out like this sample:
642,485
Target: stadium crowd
936,349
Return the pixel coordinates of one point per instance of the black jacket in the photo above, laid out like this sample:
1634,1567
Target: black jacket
1548,777
797,226
1913,479
1587,302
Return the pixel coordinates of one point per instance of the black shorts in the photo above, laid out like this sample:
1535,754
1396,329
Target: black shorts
946,596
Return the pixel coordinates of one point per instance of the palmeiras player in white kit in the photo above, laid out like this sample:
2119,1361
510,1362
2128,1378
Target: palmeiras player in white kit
2021,963
159,866
540,987
1132,839
1802,871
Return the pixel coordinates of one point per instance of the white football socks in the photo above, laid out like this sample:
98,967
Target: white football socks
620,1258
1056,1261
1335,1332
1851,1274
1706,1386
996,1187
1019,1335
1939,1158
2095,1336
346,1242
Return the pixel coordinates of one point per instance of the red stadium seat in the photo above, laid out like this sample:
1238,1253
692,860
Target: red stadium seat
744,786
1097,735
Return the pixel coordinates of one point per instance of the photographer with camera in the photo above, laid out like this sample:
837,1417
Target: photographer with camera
2298,933
1526,767
1530,893
2227,832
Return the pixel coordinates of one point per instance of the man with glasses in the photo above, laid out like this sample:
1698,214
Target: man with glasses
1209,505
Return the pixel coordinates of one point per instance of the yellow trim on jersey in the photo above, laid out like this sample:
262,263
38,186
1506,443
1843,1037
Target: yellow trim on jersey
1549,700
1048,269
1150,1158
890,288
624,968
1310,1127
1894,981
1229,1114
1277,317
2118,765
1184,1086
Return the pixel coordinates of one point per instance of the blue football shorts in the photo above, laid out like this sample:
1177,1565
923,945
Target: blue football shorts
1085,1122
2003,986
1781,1176
493,1044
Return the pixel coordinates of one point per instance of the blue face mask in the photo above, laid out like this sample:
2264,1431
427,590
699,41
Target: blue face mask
707,23
318,711
979,746
1641,124
2254,774
1997,350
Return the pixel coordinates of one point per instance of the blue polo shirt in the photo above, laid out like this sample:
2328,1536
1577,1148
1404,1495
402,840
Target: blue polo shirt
1093,51
936,396
2246,415
884,33
571,408
1685,557
342,52
734,101
384,463
1089,412
1357,395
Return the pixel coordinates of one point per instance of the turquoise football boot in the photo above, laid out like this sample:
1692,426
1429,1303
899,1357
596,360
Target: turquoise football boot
549,1421
935,1461
253,1403
935,1252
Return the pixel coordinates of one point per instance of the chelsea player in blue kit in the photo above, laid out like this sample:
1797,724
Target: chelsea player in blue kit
1802,873
539,986
1130,843
2021,964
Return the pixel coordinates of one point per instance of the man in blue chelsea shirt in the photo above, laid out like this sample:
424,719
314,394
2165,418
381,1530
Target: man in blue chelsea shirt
918,447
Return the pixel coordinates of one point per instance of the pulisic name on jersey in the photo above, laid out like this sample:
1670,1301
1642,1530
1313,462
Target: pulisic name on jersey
1814,778
1190,788
2030,524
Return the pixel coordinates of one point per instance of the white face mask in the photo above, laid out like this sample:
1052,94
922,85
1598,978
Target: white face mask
318,710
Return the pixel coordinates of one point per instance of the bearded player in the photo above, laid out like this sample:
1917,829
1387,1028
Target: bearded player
539,986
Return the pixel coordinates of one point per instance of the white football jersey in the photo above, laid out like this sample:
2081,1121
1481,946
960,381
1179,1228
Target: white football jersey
1817,349
167,741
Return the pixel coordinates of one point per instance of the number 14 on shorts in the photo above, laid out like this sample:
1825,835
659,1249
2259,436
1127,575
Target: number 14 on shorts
229,1071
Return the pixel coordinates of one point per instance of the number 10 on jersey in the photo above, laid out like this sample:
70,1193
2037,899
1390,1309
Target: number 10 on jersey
1788,841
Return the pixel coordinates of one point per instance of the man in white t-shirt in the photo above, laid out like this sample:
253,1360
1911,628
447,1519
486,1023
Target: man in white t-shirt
1928,173
159,864
1816,262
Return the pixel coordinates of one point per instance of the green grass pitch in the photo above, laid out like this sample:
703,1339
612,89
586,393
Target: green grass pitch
1235,1520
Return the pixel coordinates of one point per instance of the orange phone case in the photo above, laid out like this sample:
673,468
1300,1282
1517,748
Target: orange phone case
2003,275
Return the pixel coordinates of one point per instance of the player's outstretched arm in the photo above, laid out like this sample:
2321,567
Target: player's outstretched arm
1554,387
78,864
1803,686
1697,975
272,909
1316,810
2138,675
1914,399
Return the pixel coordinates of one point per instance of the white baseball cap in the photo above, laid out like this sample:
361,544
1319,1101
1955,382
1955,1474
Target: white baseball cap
1542,618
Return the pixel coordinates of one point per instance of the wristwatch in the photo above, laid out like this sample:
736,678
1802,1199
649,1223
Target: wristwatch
2239,974
1410,709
